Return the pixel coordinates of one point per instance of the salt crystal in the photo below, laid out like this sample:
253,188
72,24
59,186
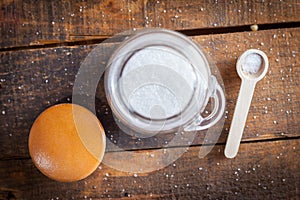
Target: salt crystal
254,27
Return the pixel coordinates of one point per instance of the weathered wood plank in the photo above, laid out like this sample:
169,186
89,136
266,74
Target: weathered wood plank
258,171
32,80
25,22
275,103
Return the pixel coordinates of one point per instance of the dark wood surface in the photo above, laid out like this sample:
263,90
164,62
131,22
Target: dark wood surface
261,169
43,22
34,77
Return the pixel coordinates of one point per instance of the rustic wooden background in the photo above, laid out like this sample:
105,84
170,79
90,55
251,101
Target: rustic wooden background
43,43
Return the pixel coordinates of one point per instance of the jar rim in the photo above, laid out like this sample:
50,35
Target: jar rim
184,47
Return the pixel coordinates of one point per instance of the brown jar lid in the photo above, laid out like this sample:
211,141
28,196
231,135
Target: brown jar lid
67,142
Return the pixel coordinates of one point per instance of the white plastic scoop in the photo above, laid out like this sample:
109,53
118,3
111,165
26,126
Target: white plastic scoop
251,66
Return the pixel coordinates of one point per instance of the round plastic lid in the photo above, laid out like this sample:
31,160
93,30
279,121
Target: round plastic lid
67,142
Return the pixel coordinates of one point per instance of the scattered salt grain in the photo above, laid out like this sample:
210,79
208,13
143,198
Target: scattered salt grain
254,27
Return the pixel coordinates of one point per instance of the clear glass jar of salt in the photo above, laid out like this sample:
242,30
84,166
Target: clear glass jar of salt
159,81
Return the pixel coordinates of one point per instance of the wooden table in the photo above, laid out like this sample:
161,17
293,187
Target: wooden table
44,42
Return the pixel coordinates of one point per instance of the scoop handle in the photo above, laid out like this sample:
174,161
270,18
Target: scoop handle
239,118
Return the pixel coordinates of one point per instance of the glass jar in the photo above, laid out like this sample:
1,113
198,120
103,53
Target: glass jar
159,81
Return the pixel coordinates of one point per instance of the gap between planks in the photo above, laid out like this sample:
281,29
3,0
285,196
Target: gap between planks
174,147
95,39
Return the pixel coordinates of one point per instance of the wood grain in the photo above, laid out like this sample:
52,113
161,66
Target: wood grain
264,170
32,80
25,22
275,97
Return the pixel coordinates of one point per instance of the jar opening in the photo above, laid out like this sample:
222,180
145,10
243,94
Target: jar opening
156,83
